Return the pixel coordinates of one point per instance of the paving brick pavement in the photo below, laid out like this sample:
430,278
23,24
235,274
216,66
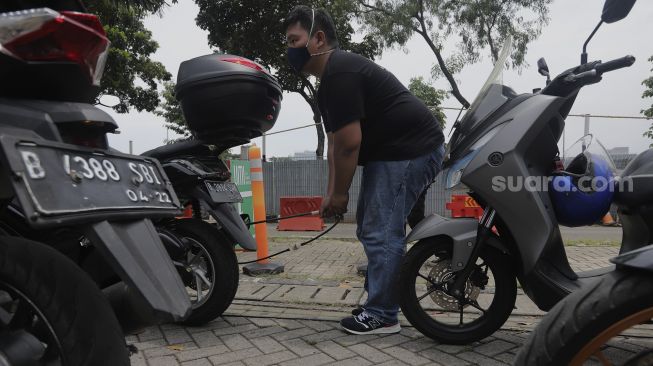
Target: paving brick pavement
292,319
265,343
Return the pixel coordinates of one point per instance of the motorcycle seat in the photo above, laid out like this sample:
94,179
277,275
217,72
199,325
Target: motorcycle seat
635,186
183,148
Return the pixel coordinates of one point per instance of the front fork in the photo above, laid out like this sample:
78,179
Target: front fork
457,287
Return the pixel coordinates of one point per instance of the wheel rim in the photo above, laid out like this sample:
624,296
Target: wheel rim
199,276
19,313
430,285
595,346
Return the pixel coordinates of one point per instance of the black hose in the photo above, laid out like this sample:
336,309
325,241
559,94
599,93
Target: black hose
338,219
281,218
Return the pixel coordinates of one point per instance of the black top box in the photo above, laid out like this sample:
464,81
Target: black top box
227,100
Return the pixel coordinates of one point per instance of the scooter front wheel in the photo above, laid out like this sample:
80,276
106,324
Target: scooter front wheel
490,293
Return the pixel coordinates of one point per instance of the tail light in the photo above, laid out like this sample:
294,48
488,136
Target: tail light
247,63
45,35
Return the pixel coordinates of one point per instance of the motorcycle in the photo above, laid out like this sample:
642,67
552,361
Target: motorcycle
226,100
597,314
458,282
90,204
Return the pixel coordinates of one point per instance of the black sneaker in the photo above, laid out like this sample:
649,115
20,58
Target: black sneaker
357,311
364,323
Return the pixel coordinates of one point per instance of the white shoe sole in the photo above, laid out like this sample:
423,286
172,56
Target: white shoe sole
385,330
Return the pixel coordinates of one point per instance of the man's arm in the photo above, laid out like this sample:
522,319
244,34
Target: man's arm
346,146
332,170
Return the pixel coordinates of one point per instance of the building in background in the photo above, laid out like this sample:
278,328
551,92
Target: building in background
304,155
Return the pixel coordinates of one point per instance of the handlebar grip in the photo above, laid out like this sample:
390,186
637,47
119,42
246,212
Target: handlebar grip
615,64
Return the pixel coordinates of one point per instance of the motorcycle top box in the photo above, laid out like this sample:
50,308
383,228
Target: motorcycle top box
227,100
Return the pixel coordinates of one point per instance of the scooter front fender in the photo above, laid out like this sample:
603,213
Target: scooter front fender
461,231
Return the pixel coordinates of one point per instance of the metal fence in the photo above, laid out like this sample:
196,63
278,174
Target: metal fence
309,178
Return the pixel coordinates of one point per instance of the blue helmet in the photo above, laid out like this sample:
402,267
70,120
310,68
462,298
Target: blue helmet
583,193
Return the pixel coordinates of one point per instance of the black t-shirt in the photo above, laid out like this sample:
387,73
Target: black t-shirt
395,124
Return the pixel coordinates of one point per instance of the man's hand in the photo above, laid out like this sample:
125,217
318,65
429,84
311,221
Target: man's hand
336,204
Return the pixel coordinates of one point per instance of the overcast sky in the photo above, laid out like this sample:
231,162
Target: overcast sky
560,43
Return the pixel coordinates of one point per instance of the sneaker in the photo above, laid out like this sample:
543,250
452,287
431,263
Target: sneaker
364,323
357,311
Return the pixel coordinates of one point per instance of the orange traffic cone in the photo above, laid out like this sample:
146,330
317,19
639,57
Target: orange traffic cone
607,220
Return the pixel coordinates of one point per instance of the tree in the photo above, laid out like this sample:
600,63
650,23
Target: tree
479,24
130,74
170,110
648,93
430,96
254,29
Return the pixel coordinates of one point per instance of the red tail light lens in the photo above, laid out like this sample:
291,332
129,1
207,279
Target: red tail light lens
247,63
46,35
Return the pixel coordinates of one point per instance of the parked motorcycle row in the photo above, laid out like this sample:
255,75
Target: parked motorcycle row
91,246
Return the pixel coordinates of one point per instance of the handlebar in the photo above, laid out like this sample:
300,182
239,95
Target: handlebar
570,81
615,64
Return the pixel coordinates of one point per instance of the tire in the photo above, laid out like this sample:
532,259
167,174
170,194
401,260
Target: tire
575,321
487,323
74,318
221,265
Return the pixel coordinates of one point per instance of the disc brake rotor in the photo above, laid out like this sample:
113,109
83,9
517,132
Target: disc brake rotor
441,273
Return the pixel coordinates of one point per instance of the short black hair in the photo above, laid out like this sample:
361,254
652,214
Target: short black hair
323,22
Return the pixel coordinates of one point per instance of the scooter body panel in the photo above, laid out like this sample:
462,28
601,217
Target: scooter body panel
641,259
189,182
522,151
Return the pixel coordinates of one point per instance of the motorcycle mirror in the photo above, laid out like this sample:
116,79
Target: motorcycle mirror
107,100
542,67
615,10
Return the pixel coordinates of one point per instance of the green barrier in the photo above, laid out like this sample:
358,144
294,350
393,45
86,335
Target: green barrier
240,176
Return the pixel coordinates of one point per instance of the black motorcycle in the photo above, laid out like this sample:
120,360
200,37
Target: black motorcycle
597,314
227,100
62,185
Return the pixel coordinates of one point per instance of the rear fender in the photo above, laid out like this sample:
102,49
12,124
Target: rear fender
136,254
229,219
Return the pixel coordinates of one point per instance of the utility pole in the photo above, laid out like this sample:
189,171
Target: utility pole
131,147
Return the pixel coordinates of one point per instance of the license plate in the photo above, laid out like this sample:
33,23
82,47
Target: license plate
53,180
223,192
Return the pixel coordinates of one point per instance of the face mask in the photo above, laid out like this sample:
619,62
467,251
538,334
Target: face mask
298,57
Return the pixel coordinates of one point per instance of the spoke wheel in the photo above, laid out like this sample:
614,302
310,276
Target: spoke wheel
488,298
209,269
200,272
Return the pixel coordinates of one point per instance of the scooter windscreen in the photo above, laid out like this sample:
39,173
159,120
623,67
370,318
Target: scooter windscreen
492,95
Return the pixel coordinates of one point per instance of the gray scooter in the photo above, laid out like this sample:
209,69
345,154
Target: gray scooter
458,283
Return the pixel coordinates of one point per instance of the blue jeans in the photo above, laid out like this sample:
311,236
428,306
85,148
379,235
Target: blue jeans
389,190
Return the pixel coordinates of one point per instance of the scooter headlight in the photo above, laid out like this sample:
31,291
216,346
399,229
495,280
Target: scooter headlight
455,173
